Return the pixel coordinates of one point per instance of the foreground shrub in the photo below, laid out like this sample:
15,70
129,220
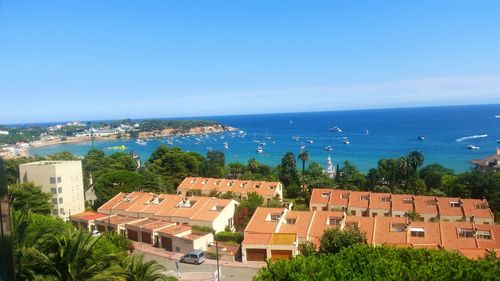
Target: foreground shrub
362,262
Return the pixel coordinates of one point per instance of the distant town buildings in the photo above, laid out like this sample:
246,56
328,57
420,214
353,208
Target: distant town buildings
62,179
5,133
490,163
428,208
276,233
241,188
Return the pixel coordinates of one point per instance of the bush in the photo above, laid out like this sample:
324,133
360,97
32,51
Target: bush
202,229
363,262
333,240
225,236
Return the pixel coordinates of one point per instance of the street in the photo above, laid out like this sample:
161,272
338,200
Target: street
203,271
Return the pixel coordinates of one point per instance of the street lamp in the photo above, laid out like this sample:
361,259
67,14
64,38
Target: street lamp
217,256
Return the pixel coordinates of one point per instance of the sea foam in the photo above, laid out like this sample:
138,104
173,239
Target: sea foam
471,137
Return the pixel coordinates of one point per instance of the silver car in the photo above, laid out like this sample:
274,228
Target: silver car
194,257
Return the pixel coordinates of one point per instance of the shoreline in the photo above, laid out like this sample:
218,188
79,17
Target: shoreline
167,132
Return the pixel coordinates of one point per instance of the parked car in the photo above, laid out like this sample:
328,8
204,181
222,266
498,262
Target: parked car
194,257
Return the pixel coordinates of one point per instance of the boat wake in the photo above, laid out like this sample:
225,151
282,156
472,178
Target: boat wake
471,137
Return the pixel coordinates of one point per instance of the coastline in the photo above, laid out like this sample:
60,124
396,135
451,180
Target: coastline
167,132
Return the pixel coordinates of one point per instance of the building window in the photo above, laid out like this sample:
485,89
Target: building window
483,235
417,232
54,212
325,194
59,180
54,201
53,190
52,180
465,232
61,211
430,202
274,217
60,200
364,213
353,213
385,199
291,221
177,249
364,197
398,227
374,214
334,221
351,225
344,196
407,200
455,204
59,190
482,206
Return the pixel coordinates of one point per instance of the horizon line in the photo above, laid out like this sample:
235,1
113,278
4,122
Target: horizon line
248,114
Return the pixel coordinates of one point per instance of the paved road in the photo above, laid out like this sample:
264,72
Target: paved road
204,271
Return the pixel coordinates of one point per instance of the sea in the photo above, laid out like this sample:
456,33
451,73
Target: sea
372,135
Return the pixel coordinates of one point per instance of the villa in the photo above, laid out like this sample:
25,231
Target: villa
429,208
241,188
490,163
276,233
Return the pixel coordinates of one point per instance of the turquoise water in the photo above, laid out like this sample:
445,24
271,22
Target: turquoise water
373,134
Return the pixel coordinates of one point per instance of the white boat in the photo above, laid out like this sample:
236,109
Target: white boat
226,145
259,149
473,147
335,129
209,148
296,138
310,141
140,142
328,148
421,138
346,141
263,143
302,147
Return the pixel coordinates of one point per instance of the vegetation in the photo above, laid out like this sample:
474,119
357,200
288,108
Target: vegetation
227,236
334,240
246,209
47,248
362,262
27,196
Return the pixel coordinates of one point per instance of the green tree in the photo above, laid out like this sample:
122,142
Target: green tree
307,249
28,196
73,258
334,239
214,166
349,177
137,269
114,182
304,157
287,172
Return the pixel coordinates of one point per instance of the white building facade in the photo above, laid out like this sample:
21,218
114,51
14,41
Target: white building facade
62,179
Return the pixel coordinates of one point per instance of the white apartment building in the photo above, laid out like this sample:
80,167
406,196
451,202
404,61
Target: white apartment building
63,179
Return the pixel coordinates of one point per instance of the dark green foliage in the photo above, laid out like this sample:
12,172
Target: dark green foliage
225,236
27,196
287,173
202,229
362,262
173,164
307,249
349,177
334,239
246,209
114,182
213,167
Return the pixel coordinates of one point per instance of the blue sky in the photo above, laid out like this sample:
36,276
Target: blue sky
70,60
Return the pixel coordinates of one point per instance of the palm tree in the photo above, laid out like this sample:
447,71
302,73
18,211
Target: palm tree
404,168
416,159
73,258
304,157
136,269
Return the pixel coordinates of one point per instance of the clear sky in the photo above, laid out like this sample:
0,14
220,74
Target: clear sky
74,60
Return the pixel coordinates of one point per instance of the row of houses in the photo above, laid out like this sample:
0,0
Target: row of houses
168,235
195,210
274,233
240,188
429,208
